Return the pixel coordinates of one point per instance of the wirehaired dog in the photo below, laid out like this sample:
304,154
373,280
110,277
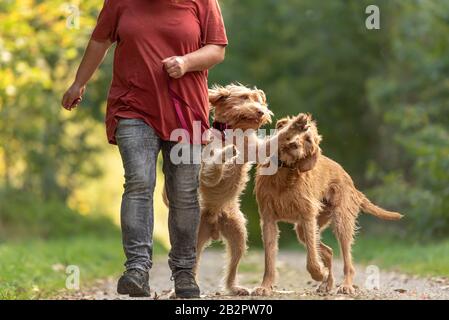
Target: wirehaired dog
310,191
222,182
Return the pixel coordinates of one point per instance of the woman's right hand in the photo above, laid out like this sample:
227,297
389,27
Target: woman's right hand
73,96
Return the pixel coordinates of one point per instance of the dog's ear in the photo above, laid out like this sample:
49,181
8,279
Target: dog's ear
218,94
262,95
309,162
282,123
317,138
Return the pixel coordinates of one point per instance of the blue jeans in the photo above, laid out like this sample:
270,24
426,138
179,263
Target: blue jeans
139,147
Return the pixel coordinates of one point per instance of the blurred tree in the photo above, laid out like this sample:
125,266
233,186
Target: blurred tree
412,99
45,149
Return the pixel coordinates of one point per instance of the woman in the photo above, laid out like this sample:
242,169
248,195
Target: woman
164,49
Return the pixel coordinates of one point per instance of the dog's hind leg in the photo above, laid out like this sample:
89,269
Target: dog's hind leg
205,233
270,233
344,230
233,230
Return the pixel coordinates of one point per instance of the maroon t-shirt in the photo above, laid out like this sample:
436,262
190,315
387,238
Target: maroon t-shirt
146,32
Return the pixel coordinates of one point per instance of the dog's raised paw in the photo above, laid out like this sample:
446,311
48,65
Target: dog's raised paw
239,291
346,289
318,272
300,122
261,291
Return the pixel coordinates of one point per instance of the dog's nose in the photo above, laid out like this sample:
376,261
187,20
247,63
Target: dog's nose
260,113
293,145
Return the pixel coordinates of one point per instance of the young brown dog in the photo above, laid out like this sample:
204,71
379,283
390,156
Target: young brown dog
235,107
311,191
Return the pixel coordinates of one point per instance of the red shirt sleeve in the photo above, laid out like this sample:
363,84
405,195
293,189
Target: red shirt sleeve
106,28
212,26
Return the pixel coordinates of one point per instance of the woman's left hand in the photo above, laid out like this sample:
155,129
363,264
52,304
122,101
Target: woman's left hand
175,66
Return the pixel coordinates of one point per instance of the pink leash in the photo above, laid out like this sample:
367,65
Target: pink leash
178,103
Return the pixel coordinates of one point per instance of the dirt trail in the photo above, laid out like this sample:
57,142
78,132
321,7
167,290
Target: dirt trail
293,281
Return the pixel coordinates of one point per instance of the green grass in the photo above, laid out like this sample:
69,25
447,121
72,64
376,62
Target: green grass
408,256
37,268
428,259
39,239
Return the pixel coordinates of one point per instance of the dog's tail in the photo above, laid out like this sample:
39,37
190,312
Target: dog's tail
369,207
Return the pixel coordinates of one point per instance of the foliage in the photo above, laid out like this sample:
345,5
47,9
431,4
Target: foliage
44,150
411,98
25,216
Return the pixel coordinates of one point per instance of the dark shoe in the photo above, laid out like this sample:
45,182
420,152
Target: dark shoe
135,283
185,284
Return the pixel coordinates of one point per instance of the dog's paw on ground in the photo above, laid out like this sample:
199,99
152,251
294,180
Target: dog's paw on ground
346,289
261,291
239,291
325,287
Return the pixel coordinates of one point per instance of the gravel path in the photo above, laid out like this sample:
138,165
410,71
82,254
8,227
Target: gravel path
293,281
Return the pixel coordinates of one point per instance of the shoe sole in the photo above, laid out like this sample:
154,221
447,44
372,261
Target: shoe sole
132,289
187,294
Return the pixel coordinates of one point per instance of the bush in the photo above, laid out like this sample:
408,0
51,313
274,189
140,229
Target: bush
410,97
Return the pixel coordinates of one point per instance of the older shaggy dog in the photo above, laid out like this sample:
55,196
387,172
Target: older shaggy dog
311,191
235,107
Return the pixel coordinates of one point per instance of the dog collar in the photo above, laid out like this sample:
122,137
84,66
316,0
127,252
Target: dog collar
301,167
282,164
220,126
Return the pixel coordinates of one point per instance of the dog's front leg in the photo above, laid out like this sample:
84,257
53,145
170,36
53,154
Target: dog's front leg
211,174
214,165
270,233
